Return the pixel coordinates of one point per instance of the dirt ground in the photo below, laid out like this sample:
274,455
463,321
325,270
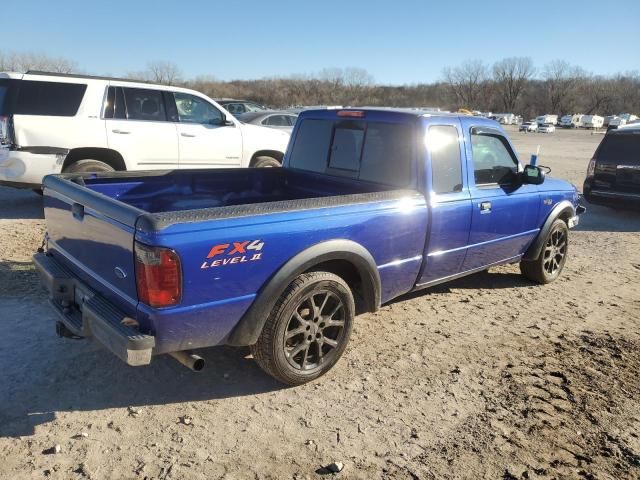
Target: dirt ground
487,377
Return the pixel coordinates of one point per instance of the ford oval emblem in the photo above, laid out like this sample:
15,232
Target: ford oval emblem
120,273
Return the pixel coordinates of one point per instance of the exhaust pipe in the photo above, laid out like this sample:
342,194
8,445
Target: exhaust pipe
190,360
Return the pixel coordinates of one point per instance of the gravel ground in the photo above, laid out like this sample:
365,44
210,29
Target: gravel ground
487,377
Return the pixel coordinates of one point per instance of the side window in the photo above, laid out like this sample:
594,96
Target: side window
276,121
493,161
292,120
144,104
192,109
446,167
114,106
49,98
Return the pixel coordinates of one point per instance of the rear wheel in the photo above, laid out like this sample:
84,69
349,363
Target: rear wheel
88,165
548,266
266,162
308,329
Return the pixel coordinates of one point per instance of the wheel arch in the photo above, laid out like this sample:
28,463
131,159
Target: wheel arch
563,210
345,258
106,155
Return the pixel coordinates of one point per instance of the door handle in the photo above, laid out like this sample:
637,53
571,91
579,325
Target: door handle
485,207
187,135
121,132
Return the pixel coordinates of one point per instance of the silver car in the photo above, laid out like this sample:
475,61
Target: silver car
280,120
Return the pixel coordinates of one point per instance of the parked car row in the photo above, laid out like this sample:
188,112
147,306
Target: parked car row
53,123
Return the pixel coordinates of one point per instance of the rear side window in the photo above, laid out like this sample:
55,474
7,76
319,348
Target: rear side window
49,98
620,148
493,162
144,104
446,168
371,151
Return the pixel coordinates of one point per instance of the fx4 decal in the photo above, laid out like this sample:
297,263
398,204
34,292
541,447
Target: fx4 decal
234,252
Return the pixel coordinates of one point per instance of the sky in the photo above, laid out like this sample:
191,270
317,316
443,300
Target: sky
397,42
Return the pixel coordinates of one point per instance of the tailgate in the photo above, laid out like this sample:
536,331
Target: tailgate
92,235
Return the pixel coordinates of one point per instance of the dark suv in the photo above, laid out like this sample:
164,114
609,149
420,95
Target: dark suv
613,175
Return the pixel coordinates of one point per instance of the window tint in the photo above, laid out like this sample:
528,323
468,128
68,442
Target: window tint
49,98
192,109
346,148
446,168
4,89
381,153
493,161
388,153
620,148
311,147
276,121
144,104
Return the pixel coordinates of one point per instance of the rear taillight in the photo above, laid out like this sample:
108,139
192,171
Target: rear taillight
591,169
158,276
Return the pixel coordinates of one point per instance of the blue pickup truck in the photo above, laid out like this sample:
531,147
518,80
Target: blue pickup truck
370,204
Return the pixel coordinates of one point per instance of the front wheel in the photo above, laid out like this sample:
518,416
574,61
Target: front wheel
308,329
547,267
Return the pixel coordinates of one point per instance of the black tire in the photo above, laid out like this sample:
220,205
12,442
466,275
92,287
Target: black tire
88,165
308,329
266,162
548,266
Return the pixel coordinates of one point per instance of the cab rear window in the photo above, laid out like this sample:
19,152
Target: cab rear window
371,151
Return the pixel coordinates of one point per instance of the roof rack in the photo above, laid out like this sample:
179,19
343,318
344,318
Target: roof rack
88,77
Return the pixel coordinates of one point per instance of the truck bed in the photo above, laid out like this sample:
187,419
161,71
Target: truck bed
158,192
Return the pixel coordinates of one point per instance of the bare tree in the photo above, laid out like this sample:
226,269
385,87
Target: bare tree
562,81
467,82
22,62
167,73
510,77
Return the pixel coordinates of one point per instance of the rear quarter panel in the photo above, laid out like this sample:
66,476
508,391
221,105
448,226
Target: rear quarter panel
217,293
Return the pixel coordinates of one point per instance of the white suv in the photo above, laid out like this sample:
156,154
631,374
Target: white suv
52,123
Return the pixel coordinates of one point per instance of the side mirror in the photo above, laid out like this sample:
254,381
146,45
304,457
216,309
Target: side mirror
533,175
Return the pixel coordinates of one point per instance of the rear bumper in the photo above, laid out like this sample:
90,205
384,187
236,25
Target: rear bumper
27,168
85,313
612,198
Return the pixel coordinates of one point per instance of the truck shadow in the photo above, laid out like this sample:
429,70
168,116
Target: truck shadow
605,219
43,374
20,204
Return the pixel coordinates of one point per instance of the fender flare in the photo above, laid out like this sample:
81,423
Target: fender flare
248,329
563,208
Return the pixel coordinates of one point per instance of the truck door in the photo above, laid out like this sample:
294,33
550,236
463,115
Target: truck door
505,212
449,202
138,128
205,140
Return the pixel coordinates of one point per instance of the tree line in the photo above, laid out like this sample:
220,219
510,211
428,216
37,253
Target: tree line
511,85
